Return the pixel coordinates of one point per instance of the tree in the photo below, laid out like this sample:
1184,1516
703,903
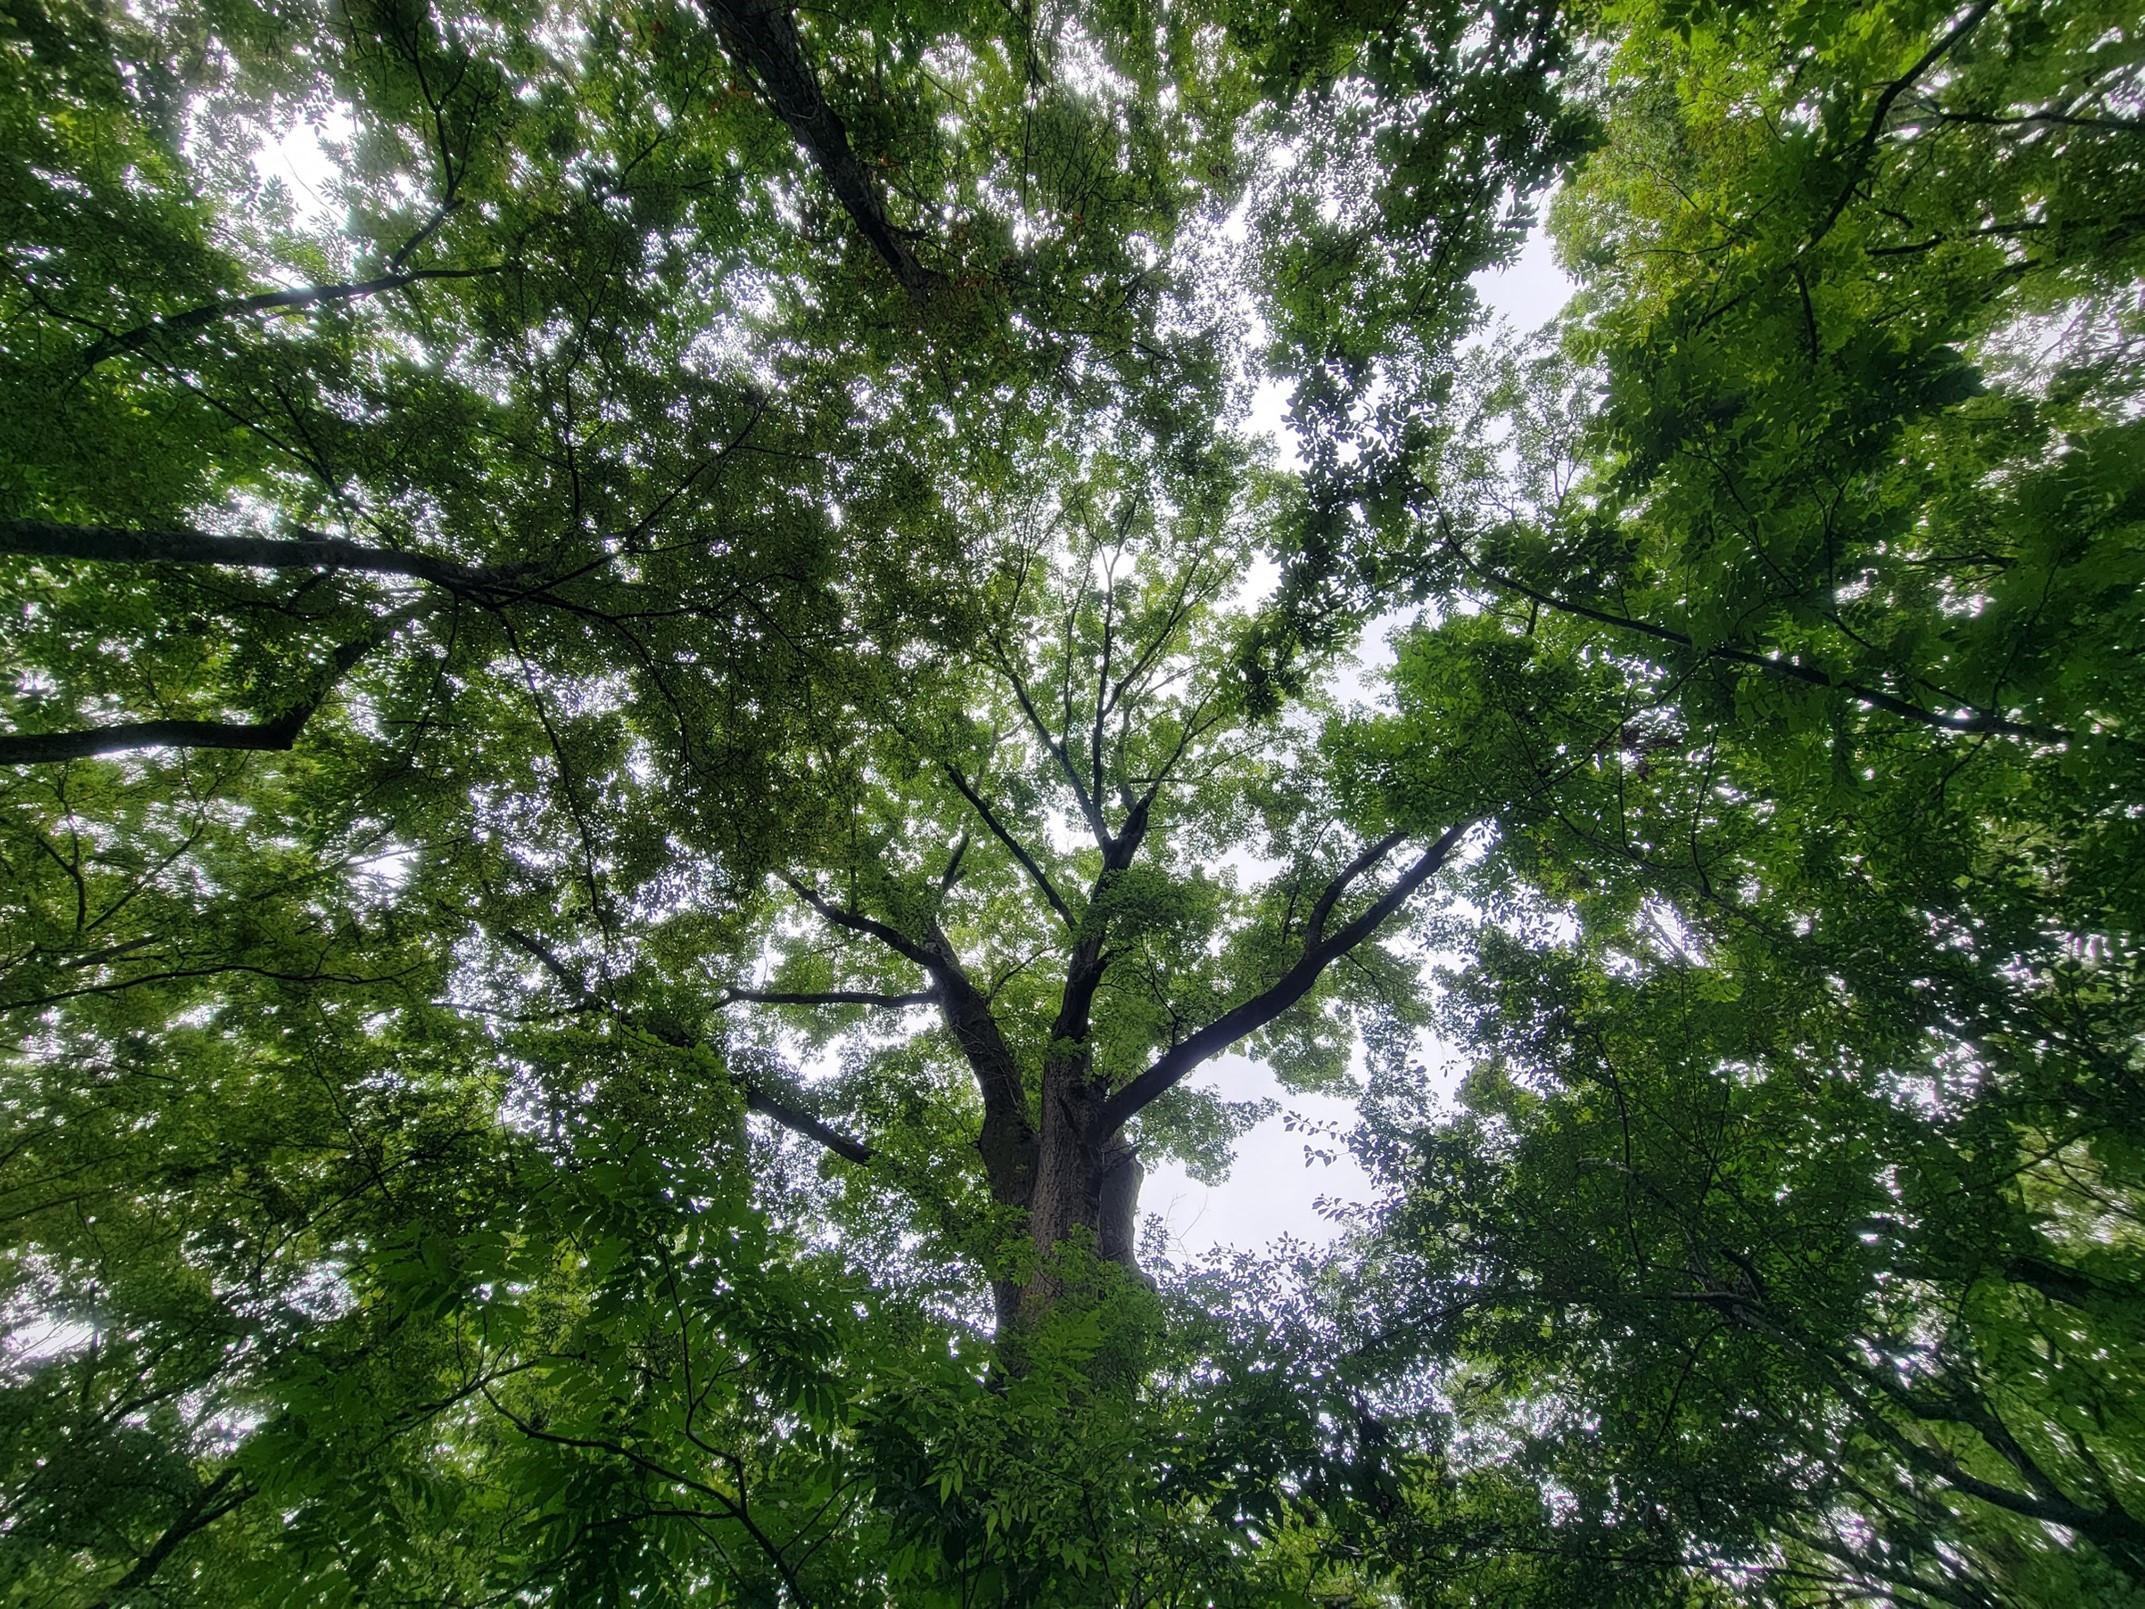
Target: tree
1793,1187
442,598
712,570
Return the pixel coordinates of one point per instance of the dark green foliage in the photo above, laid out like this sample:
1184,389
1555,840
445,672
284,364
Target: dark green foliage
1787,1230
643,746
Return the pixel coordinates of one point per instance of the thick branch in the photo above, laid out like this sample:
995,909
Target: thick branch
856,922
761,1093
762,36
954,860
1372,854
1008,1140
762,1097
1090,957
1007,1143
273,735
831,997
309,550
46,748
1248,1017
1090,808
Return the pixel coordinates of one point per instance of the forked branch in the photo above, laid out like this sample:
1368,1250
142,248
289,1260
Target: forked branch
1319,952
1090,807
762,1091
1004,835
1008,1139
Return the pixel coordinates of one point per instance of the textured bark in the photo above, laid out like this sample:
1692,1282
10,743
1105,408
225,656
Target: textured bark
1067,1194
1118,1202
763,37
106,544
1084,1190
1080,1164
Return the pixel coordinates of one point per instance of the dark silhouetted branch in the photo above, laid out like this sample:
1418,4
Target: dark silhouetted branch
309,550
831,997
761,1091
284,301
1973,721
1004,835
856,922
208,1505
762,37
1249,1016
278,733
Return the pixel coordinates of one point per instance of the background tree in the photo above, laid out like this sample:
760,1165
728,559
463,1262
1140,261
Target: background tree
1787,1230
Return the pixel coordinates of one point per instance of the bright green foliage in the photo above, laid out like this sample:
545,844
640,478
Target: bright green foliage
483,487
570,575
1788,1232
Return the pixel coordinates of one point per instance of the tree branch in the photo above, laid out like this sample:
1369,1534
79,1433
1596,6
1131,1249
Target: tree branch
1973,721
856,922
1089,808
272,302
762,36
1007,1142
207,1506
1102,674
1315,925
1008,1139
763,1095
1005,836
761,1092
1195,728
1248,1017
1179,608
731,1507
831,997
273,735
1864,148
45,748
309,550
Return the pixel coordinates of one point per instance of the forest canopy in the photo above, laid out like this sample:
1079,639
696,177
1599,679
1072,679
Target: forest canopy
662,696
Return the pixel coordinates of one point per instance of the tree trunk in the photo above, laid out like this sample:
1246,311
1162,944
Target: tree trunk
1085,1191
